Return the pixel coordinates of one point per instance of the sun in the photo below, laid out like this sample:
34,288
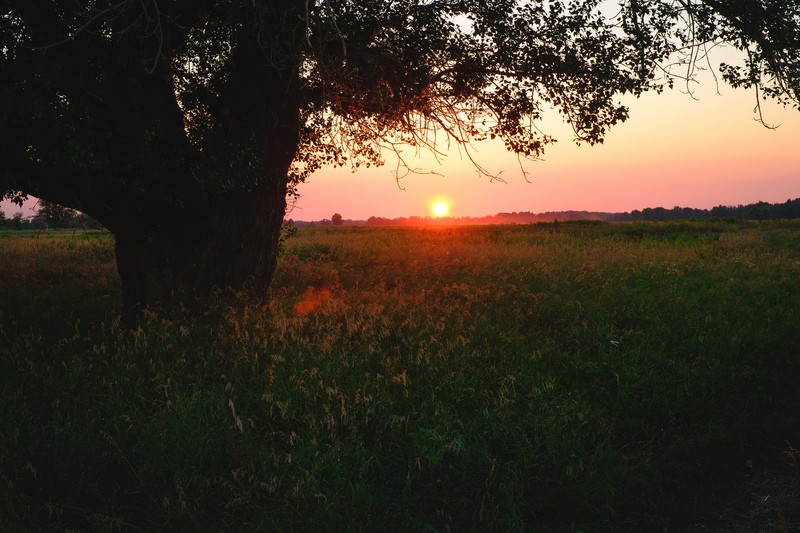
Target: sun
440,209
440,206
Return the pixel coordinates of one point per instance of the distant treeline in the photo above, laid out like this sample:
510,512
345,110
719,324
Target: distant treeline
48,216
51,215
757,211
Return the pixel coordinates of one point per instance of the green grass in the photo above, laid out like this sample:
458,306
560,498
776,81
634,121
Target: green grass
570,377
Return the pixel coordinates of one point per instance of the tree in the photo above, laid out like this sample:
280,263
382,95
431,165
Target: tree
54,215
2,218
17,221
181,126
84,221
337,219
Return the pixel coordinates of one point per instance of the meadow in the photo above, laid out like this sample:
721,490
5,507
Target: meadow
553,377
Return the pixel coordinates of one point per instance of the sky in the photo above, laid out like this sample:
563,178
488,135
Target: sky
674,150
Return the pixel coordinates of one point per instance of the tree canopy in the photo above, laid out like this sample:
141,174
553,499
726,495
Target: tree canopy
181,122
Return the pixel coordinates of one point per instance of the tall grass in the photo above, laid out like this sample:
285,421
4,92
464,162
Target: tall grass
576,377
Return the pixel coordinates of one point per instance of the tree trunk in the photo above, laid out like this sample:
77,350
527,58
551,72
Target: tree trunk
187,170
230,242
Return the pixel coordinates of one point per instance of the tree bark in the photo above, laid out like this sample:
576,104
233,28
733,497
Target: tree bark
228,243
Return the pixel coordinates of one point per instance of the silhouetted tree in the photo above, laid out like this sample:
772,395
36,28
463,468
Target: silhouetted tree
182,125
54,215
84,221
17,221
337,219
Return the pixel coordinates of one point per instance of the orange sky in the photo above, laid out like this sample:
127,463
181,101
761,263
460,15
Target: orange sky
673,150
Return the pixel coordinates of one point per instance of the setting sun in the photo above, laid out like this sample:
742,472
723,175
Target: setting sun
440,209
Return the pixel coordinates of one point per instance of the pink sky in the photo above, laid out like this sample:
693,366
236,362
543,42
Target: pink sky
674,150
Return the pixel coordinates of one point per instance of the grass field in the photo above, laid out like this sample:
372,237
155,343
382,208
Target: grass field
556,377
